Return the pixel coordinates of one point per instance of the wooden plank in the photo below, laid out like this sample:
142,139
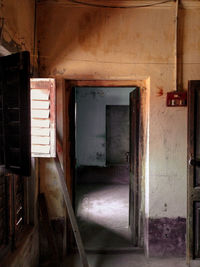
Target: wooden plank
107,83
40,113
40,131
40,104
134,163
40,149
60,153
40,155
40,94
40,140
71,214
40,123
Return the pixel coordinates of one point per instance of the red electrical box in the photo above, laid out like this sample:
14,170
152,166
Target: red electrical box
177,99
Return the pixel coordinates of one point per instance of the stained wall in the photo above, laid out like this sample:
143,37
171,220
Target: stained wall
82,42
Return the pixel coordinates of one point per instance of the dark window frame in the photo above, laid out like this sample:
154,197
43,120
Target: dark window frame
14,74
15,210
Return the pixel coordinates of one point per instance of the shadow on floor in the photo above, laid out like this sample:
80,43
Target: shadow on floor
102,215
97,237
134,259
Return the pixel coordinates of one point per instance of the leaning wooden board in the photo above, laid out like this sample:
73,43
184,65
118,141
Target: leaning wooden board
72,217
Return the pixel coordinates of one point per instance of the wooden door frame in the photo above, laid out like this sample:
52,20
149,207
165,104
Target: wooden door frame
69,147
191,194
134,144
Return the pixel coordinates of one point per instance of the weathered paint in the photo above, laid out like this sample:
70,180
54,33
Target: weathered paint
167,236
130,44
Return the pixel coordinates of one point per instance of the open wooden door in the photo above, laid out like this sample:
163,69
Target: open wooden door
193,222
69,156
134,163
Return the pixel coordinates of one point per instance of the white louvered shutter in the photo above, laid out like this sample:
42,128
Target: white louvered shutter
43,124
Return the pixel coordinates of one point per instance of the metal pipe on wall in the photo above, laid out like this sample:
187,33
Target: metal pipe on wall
176,45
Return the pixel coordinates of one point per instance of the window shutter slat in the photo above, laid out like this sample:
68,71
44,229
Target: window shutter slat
40,132
43,117
40,105
40,113
41,140
39,94
40,149
16,112
40,123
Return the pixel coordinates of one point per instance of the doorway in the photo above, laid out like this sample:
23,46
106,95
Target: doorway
81,173
102,167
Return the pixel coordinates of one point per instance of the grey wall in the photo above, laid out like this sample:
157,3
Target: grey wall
91,121
117,134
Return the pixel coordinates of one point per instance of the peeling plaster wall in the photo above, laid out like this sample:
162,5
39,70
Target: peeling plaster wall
78,42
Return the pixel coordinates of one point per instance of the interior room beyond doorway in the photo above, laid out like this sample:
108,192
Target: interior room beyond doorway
102,167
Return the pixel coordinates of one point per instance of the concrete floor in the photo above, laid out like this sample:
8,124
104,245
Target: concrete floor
124,260
102,215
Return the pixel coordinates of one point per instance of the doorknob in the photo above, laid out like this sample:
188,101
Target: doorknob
194,162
